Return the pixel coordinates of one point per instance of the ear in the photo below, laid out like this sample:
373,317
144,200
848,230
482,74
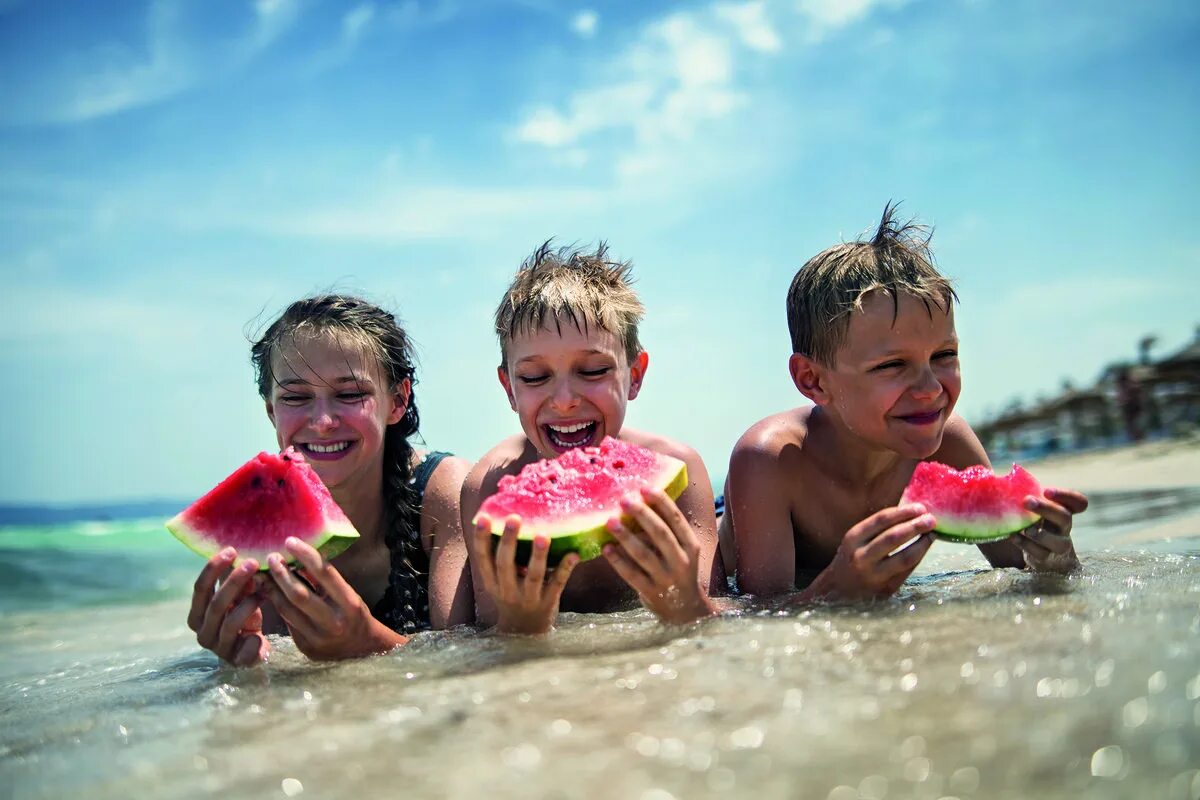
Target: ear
401,394
809,377
637,373
271,412
506,382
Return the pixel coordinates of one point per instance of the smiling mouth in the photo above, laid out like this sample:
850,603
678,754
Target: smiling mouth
927,418
569,437
324,451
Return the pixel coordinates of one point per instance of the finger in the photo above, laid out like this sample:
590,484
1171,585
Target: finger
298,593
659,525
638,552
1034,553
320,573
629,570
232,627
231,590
887,542
536,571
880,521
1054,516
560,576
900,565
251,649
483,553
206,584
299,623
506,558
1054,542
1073,501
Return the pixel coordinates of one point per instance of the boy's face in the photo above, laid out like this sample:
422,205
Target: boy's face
570,388
894,383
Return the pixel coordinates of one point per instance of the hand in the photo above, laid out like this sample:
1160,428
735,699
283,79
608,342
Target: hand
1047,544
328,620
866,565
527,603
228,620
658,554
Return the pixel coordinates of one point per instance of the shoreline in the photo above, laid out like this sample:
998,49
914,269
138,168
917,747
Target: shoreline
1163,464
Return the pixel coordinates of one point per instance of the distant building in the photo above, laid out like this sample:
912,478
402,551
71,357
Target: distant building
1128,401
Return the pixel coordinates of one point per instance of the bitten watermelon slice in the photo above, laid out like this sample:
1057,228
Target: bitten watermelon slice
569,499
974,505
266,500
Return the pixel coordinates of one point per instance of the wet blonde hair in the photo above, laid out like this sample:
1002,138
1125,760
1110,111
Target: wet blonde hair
897,260
587,289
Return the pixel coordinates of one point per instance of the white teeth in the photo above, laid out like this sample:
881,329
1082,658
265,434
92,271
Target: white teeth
328,448
570,428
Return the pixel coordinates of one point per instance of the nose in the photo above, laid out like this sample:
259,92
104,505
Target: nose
324,418
564,398
927,386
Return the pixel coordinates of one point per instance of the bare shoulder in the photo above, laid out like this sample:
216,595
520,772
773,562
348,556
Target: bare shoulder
774,443
506,458
960,448
447,478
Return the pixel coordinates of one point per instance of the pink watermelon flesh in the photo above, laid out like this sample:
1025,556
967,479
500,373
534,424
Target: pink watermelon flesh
570,499
264,501
974,505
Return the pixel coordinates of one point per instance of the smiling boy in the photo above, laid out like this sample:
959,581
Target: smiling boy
570,363
814,490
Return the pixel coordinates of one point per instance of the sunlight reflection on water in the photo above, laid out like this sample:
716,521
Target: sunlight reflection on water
970,683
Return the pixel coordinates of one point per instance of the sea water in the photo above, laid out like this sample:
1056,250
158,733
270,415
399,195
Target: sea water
971,683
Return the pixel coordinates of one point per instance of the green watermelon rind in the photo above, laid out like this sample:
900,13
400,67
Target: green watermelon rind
331,542
587,535
966,532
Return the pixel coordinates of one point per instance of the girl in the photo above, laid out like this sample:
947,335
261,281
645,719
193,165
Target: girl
336,374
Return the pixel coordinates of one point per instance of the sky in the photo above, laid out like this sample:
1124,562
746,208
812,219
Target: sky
173,174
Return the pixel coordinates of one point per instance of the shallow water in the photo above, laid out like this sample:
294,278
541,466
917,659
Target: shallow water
972,683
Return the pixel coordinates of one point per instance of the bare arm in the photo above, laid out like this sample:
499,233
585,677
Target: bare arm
450,595
698,507
757,506
479,484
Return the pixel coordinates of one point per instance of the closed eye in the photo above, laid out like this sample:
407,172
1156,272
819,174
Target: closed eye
293,399
595,373
886,365
946,354
351,397
532,380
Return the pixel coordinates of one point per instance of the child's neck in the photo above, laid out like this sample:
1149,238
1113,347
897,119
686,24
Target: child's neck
854,460
363,504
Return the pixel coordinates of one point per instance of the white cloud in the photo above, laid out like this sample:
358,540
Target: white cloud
356,20
824,16
113,76
752,25
585,23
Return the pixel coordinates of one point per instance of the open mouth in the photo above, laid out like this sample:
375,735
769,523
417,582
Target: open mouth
324,451
564,437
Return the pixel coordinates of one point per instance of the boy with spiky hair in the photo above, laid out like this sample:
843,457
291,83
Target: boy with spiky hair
570,361
814,490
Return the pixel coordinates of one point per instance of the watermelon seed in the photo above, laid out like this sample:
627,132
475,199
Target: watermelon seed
552,478
279,483
618,464
256,482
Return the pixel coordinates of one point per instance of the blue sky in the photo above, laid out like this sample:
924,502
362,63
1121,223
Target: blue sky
171,173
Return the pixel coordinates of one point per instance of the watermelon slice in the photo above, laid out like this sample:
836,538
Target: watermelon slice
266,500
569,499
974,505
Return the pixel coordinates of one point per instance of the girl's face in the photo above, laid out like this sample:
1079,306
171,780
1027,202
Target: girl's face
570,388
330,402
896,378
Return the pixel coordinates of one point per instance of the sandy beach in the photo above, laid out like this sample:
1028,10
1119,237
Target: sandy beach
1170,464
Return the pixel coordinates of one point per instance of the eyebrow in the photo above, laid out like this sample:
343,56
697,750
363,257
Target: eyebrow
592,352
358,380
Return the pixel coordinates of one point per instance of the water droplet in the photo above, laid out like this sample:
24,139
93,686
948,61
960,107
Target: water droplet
1108,761
842,793
912,747
1135,712
291,787
873,787
1193,688
1157,682
965,780
917,770
560,727
1104,673
908,682
747,738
